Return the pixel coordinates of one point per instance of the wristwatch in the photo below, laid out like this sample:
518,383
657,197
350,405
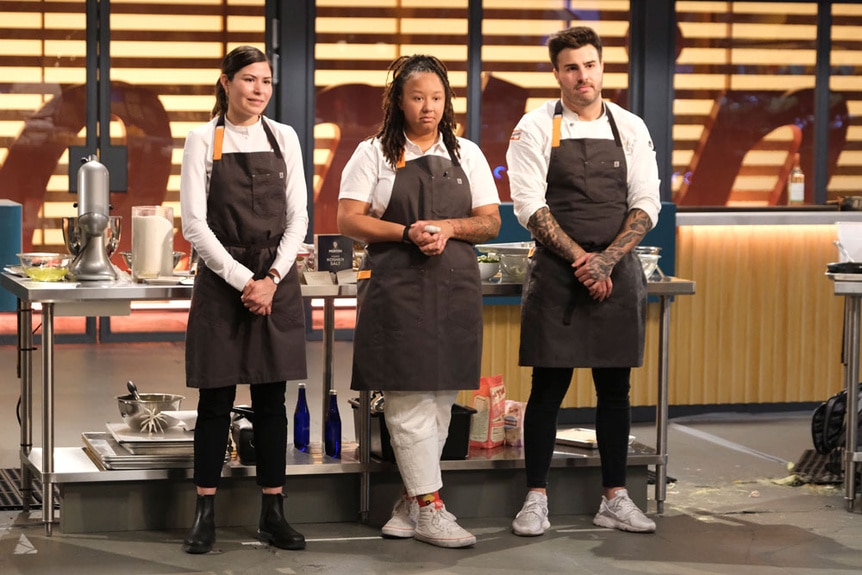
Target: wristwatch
275,279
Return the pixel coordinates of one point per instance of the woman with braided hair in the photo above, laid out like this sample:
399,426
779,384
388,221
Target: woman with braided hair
419,197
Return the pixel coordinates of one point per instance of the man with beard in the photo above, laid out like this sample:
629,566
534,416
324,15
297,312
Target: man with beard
584,181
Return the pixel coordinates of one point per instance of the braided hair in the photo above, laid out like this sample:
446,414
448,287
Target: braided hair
236,60
391,133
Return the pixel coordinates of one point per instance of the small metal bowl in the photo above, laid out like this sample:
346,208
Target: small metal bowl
143,415
513,266
649,257
488,270
45,266
127,258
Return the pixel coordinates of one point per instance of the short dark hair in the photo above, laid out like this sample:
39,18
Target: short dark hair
576,37
236,60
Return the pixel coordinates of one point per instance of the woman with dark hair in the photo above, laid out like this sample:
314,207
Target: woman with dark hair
243,199
419,197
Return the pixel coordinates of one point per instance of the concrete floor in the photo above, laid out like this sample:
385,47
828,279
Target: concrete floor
729,511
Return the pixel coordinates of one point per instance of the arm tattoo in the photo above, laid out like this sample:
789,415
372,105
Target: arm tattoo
475,229
547,230
635,227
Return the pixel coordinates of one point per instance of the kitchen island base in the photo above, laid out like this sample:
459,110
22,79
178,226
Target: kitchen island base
490,483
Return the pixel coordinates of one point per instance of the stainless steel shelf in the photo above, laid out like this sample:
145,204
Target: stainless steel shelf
73,465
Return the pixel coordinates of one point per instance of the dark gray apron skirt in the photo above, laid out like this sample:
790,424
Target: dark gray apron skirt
419,318
225,343
561,325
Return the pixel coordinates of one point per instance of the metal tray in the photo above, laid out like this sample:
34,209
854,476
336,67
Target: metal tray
516,248
581,437
108,454
845,277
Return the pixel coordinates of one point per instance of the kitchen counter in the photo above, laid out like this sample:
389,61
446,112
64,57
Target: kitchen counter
53,465
804,215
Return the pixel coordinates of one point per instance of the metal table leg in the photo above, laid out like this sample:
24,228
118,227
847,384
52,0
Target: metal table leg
364,454
364,407
25,374
328,344
48,417
851,378
662,403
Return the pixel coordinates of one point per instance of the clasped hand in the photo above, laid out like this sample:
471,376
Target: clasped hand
431,244
593,270
257,296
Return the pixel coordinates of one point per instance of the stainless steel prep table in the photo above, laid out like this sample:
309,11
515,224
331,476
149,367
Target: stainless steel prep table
49,294
852,292
87,297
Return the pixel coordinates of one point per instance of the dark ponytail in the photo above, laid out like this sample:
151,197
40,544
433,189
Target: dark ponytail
236,60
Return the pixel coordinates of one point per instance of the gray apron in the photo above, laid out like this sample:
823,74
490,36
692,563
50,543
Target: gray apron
561,325
225,343
419,318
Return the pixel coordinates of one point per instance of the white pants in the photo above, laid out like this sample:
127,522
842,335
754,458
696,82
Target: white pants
418,424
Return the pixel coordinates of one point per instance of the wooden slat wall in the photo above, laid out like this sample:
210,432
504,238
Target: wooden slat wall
763,327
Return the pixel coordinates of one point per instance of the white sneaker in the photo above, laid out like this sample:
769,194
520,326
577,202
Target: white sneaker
438,527
532,519
405,514
620,512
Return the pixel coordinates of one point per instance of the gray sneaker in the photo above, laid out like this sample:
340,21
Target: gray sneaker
438,527
532,519
620,512
405,514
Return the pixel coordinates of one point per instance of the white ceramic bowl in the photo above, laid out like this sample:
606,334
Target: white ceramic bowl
488,270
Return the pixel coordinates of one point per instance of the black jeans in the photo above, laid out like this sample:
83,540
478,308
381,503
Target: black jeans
613,422
270,433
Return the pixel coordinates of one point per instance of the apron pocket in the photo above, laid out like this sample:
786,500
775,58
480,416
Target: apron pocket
267,194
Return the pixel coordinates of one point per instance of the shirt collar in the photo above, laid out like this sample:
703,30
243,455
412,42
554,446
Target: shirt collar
415,150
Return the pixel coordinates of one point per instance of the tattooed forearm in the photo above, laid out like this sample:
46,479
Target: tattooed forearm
476,229
547,230
635,227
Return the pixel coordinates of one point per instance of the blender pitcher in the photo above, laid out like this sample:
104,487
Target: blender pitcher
152,242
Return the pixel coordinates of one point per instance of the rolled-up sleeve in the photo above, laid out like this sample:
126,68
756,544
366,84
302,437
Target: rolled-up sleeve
643,180
527,160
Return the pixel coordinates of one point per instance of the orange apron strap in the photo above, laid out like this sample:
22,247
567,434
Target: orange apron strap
401,163
217,143
363,274
555,135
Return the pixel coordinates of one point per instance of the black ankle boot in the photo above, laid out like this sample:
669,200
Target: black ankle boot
273,527
201,536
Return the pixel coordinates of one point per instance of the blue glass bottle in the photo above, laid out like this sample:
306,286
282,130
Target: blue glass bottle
332,439
301,420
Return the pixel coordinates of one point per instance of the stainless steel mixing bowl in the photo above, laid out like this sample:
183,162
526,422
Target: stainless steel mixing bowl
127,258
74,235
142,415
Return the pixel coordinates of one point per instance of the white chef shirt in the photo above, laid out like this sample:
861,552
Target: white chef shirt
529,155
195,184
368,176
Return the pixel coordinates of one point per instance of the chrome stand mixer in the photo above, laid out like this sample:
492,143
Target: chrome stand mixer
91,262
